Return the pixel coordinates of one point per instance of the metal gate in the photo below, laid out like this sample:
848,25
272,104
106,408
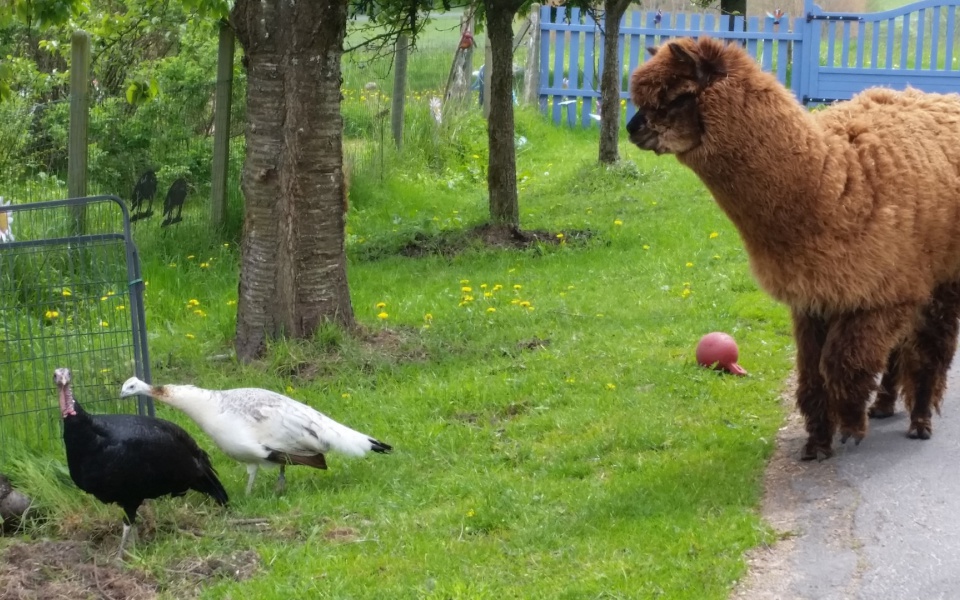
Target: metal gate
71,295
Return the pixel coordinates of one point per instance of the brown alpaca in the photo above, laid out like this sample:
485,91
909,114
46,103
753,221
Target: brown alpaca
850,216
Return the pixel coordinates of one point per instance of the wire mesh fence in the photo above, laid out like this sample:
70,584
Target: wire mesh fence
70,296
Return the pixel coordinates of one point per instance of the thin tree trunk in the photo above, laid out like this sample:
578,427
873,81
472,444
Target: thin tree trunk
502,172
293,267
611,81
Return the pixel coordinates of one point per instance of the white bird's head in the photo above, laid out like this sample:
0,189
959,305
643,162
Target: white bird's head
135,386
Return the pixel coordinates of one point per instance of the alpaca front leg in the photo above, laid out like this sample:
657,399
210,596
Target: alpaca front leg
858,346
809,333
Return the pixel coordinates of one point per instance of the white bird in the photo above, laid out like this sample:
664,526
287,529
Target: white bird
258,427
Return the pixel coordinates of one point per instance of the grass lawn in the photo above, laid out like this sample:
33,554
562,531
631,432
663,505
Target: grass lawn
553,435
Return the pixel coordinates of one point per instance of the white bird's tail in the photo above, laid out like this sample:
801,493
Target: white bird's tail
353,443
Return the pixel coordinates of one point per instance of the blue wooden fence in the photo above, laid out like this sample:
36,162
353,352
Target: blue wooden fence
821,56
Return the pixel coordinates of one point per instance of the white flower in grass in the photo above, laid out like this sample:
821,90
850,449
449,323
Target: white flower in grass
435,109
6,220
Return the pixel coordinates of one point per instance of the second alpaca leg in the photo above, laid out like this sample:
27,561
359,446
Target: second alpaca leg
928,356
857,347
884,405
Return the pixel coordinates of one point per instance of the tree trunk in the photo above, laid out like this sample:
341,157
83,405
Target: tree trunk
611,81
502,169
293,268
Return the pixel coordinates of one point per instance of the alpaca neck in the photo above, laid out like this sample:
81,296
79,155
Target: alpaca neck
762,162
199,404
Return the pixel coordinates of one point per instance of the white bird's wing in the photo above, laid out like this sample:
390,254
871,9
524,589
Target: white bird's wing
278,422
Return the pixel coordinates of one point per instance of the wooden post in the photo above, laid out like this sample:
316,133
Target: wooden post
79,119
487,72
221,127
399,88
531,72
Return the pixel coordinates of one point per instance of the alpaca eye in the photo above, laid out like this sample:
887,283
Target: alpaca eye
681,99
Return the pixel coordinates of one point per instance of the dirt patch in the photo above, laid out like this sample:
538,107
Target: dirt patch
490,236
69,569
239,566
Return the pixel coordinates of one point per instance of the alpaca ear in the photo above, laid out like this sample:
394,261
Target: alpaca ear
651,50
706,62
680,53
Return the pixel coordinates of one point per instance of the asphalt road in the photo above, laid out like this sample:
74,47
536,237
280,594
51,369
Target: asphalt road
877,521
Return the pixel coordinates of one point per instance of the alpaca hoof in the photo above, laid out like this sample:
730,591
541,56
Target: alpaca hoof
818,451
856,434
920,430
880,412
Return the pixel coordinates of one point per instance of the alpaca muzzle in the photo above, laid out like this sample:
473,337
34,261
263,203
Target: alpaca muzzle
641,135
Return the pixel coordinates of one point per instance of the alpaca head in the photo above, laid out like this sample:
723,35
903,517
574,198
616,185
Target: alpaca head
666,91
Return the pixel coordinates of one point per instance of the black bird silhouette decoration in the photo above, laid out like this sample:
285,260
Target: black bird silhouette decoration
144,191
174,201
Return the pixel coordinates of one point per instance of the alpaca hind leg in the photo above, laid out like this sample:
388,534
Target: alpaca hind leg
857,347
933,346
809,332
884,405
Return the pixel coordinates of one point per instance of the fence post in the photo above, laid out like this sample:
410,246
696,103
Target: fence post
531,72
79,120
221,127
399,88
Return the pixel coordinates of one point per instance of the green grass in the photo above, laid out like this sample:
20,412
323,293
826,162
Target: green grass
568,448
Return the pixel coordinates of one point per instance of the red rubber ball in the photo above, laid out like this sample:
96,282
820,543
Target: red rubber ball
719,350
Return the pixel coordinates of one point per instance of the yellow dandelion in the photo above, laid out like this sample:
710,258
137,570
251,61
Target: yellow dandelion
515,301
193,302
191,257
102,298
231,302
560,236
344,395
689,264
204,265
51,314
517,286
104,370
497,287
571,380
121,307
172,265
189,336
611,386
227,245
686,293
491,310
381,305
716,256
618,222
646,247
104,324
199,313
488,294
468,298
524,304
66,292
714,234
289,389
483,286
382,315
466,289
471,513
428,317
464,281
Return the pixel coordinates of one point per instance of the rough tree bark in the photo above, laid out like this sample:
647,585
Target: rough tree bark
502,170
293,268
611,81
